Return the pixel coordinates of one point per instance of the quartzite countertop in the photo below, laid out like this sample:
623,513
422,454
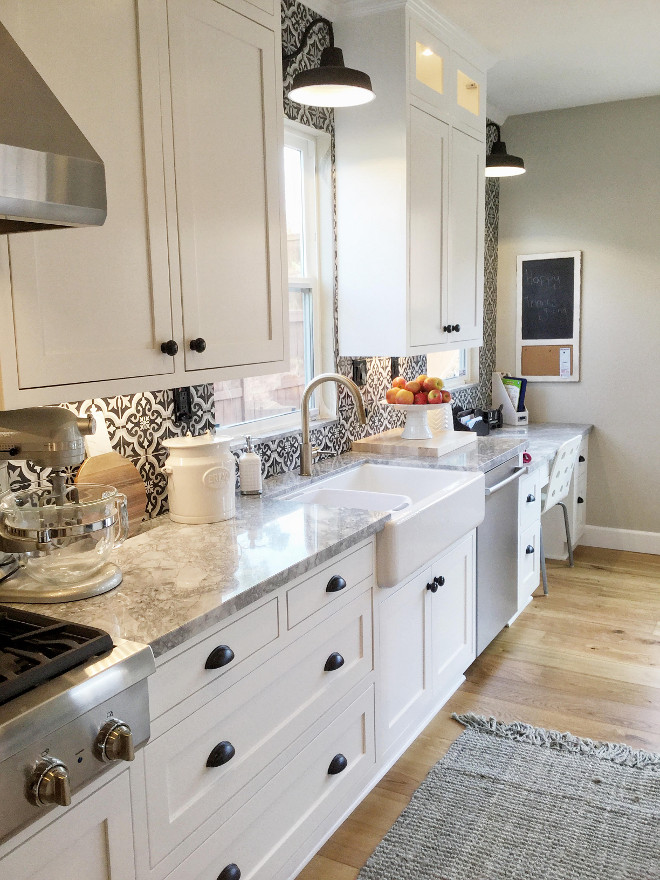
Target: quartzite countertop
180,580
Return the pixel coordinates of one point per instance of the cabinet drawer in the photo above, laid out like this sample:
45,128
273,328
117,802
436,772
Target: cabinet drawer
529,562
256,720
529,500
325,587
181,676
264,833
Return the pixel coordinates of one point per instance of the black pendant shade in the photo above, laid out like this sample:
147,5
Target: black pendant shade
332,84
498,162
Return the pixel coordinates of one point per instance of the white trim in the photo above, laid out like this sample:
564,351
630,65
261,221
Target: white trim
621,539
460,40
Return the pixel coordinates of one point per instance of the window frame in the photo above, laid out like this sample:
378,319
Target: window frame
319,278
472,370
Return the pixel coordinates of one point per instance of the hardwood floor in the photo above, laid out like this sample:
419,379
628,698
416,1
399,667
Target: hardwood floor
586,659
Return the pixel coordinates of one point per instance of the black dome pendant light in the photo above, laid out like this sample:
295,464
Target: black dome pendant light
498,162
332,84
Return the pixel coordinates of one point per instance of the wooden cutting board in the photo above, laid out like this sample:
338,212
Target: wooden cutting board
391,443
112,469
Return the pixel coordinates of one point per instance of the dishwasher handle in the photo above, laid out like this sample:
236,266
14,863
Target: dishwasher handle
518,472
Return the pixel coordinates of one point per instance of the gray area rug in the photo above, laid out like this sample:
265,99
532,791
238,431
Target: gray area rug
515,802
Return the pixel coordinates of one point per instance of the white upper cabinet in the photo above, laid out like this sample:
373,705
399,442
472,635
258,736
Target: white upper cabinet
227,155
88,305
410,190
186,253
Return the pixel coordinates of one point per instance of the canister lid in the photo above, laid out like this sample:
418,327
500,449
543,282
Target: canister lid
190,442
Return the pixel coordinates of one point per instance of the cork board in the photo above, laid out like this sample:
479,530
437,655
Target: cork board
543,360
548,317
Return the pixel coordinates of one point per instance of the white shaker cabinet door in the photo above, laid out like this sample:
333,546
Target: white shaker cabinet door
91,840
91,304
465,283
227,156
429,151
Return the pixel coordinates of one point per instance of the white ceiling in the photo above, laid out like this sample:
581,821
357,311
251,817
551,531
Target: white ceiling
562,53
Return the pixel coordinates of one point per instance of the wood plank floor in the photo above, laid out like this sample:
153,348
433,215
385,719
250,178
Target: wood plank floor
586,659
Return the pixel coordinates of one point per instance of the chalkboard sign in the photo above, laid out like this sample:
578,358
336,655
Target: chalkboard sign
547,298
548,327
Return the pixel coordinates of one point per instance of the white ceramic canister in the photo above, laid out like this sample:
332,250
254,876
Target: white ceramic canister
201,478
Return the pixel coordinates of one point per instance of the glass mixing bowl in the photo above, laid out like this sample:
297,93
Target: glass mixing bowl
63,537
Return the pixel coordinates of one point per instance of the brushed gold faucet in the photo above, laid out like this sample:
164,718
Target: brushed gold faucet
306,446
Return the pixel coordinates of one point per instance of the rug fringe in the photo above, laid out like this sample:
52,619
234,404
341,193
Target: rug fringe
617,753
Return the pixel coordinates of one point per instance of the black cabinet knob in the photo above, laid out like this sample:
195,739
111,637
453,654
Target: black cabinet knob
456,328
335,584
439,580
222,753
231,872
338,763
581,459
580,500
334,661
220,656
529,549
531,498
170,347
447,328
432,587
198,345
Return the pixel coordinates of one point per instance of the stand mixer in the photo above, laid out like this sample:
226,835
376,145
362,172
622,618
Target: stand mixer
62,535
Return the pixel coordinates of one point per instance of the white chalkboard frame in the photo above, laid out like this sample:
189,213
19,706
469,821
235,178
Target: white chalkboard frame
573,341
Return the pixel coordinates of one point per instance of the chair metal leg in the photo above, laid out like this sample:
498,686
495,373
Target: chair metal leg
568,533
543,571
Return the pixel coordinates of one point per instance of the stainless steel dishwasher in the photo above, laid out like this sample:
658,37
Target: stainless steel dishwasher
497,552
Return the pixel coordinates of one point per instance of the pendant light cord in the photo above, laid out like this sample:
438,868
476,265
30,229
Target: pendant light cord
286,59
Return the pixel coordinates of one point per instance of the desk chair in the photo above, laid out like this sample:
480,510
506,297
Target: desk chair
556,490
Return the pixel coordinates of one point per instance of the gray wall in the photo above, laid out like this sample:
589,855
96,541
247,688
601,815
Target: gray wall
593,184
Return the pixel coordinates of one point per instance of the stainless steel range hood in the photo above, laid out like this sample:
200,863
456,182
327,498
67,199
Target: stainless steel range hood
50,176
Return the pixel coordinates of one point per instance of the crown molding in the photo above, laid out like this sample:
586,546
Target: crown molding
459,39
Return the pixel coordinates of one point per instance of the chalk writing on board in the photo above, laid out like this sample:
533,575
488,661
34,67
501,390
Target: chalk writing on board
548,298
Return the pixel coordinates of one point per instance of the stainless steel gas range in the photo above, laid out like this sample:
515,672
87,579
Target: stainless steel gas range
71,704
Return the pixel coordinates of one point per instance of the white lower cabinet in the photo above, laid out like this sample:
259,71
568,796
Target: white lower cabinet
261,837
318,688
93,840
426,642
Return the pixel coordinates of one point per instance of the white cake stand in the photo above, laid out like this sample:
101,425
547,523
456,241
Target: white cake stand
417,423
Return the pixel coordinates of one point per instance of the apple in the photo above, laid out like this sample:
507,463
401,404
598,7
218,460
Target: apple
404,396
432,383
435,395
421,398
413,386
390,397
421,379
399,382
446,397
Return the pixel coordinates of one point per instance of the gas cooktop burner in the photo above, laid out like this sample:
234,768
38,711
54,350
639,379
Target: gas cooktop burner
35,648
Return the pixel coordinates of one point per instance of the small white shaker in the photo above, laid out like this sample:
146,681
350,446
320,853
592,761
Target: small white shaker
249,470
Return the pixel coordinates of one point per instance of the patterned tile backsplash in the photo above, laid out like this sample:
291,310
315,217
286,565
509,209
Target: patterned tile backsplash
138,423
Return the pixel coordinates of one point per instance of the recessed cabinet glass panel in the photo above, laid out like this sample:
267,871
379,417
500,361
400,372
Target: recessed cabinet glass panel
467,93
429,68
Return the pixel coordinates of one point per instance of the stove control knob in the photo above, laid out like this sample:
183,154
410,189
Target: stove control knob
49,784
114,742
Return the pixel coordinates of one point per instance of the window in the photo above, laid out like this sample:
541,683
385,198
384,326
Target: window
457,368
273,401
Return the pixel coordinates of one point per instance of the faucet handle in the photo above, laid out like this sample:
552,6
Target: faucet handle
316,451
